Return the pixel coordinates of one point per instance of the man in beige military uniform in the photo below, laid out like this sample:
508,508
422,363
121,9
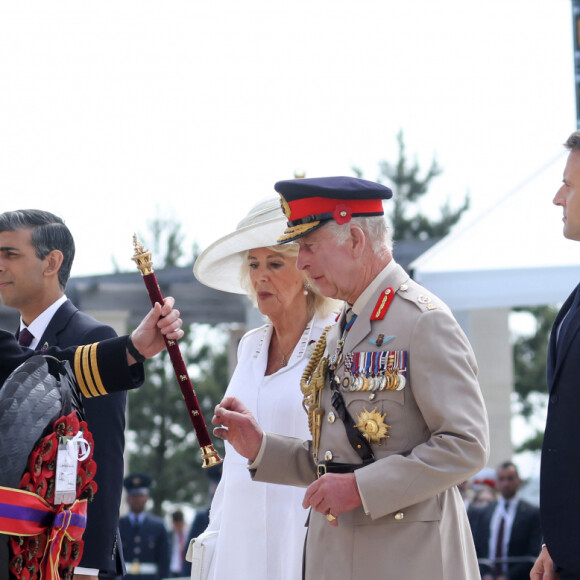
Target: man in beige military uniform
394,406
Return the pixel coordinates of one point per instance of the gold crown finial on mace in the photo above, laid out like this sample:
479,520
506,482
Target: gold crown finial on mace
142,257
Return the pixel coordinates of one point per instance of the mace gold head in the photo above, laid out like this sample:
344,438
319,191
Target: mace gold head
142,257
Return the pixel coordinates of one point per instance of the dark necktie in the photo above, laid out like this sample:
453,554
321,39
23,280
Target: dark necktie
499,546
25,337
136,525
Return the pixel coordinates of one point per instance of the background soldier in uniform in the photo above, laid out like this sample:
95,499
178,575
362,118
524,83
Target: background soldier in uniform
144,536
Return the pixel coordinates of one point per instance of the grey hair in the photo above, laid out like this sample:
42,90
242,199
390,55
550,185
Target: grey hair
49,232
316,302
374,227
573,142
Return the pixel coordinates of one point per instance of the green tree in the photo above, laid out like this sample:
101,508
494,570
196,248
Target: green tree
168,240
162,434
530,356
409,185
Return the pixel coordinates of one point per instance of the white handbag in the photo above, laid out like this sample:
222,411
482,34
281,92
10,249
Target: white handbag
200,553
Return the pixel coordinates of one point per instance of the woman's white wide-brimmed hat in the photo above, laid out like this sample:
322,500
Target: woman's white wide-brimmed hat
219,266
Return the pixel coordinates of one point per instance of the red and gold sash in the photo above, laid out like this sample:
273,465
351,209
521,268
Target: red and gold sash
23,513
46,539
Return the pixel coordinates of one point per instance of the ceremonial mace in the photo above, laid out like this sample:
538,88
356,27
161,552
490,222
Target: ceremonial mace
210,457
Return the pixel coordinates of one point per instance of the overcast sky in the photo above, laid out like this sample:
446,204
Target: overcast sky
115,112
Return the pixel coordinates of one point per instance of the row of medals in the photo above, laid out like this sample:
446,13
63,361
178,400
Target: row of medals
385,379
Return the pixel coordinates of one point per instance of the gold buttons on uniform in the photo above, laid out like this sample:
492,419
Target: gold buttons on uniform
399,515
328,456
331,417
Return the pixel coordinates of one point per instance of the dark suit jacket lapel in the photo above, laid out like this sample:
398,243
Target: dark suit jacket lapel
558,349
57,324
518,524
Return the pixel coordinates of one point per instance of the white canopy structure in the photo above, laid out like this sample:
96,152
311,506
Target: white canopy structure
513,254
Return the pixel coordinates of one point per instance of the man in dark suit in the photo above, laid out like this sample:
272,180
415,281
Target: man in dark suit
507,528
39,251
145,538
560,469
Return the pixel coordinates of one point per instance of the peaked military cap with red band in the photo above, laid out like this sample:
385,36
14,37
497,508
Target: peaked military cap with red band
309,203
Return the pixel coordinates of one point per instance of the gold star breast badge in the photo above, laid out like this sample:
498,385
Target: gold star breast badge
372,425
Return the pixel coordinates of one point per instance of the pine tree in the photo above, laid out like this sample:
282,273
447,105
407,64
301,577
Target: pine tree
409,187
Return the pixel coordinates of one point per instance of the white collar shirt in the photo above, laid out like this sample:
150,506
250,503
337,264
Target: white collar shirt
39,325
500,513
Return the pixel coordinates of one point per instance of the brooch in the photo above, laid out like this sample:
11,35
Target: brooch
372,425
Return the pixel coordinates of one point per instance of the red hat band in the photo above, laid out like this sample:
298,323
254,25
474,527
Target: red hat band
340,210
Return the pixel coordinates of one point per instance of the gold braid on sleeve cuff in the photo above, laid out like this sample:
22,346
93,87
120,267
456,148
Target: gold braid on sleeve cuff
87,371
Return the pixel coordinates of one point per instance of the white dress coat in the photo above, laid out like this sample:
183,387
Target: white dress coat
262,525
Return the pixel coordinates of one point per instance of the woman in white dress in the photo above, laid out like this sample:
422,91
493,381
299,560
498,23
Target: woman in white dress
262,526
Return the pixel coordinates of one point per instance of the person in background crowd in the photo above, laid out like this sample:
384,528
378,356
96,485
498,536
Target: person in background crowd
483,487
177,543
144,537
507,528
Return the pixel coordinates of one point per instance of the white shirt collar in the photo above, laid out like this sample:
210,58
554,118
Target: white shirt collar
38,326
512,504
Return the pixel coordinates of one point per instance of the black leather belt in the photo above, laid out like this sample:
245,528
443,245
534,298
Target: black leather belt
333,467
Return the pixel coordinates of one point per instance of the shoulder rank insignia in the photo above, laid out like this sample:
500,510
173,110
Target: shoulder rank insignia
372,426
426,300
383,304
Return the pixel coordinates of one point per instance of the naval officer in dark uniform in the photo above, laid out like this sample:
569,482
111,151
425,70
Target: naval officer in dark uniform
144,536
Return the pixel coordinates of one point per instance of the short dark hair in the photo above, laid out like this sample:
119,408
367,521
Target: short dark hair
573,142
49,232
507,464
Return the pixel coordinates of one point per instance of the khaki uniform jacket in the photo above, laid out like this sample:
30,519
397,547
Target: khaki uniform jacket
413,523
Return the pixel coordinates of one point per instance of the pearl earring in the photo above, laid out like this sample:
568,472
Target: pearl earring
307,287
